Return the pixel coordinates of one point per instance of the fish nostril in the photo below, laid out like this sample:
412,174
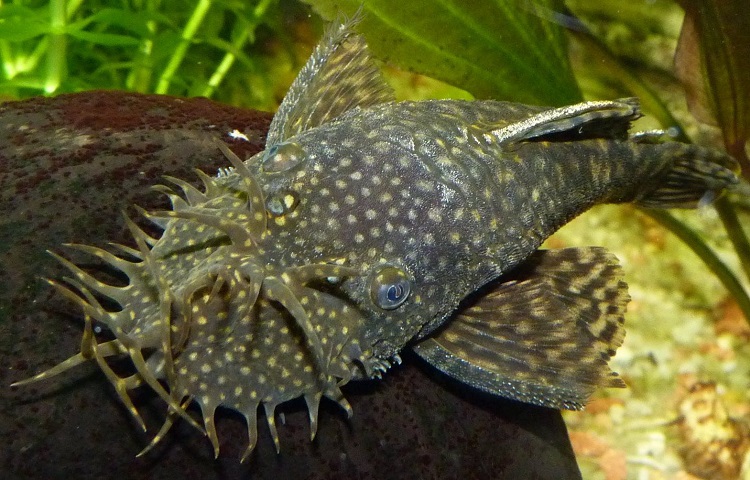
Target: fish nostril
282,157
281,203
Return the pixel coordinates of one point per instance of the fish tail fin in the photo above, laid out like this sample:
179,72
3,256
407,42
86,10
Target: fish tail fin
693,176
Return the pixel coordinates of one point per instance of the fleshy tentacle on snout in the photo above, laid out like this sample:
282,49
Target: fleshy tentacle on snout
206,317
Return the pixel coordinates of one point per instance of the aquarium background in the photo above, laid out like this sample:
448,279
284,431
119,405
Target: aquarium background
685,358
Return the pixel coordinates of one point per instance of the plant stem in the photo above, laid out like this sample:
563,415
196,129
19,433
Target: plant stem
712,261
728,214
30,62
7,57
226,63
36,56
56,60
71,7
229,57
199,13
735,232
139,77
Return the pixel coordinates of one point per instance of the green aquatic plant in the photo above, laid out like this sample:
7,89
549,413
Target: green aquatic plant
227,50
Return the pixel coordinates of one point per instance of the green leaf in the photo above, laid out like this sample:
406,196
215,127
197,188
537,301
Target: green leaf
713,62
18,31
136,22
501,49
110,39
229,48
19,23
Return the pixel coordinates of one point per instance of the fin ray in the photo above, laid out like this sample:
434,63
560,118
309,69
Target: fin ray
321,92
544,337
605,118
695,176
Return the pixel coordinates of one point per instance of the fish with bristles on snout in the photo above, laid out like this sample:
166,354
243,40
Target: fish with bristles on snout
368,226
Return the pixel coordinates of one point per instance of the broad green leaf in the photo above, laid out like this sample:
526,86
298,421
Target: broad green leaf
502,49
713,62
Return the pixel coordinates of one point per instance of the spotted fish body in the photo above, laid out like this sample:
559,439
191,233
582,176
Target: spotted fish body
368,225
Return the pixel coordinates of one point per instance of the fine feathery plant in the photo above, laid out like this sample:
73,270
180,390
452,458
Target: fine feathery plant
244,53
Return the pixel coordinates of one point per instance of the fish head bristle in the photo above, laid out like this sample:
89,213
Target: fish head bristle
209,314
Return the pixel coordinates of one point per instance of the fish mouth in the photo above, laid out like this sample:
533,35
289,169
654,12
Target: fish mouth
205,316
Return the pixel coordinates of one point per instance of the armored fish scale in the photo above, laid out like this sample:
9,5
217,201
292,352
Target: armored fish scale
369,225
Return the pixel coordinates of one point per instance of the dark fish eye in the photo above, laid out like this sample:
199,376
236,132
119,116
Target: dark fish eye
390,287
281,157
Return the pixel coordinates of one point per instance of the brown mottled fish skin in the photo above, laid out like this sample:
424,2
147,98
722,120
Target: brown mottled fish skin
367,224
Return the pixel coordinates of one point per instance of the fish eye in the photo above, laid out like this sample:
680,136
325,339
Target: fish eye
390,287
282,157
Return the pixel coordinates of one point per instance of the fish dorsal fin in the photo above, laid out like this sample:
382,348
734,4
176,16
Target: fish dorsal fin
544,337
339,76
608,119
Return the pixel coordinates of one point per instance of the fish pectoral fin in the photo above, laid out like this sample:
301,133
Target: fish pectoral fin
544,336
338,77
600,119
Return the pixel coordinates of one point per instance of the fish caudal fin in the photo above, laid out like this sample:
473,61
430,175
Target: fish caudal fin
544,336
693,175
